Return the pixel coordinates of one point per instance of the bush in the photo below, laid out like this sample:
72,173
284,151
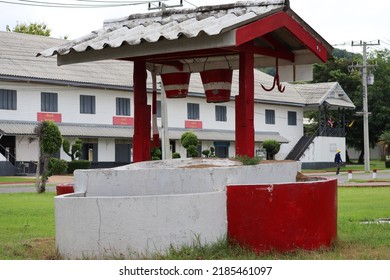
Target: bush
387,163
156,154
190,141
272,147
176,155
249,160
78,164
57,166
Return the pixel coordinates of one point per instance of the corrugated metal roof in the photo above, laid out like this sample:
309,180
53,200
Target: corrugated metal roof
318,93
18,59
152,36
70,130
170,25
114,131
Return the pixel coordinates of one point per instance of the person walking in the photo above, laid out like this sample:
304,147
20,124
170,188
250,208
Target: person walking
338,161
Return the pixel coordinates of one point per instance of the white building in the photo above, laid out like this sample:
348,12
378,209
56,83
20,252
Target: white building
94,102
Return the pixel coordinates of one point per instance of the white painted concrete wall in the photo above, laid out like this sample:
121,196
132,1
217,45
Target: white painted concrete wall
29,103
143,208
26,151
157,178
323,149
137,226
106,149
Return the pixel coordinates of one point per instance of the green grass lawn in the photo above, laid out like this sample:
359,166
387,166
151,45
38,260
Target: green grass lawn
16,179
27,226
27,230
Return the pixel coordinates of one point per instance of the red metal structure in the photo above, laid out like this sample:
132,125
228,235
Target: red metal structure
248,34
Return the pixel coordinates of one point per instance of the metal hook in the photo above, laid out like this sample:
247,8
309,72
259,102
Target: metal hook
281,87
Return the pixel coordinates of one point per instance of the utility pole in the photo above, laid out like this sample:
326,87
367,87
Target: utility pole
364,67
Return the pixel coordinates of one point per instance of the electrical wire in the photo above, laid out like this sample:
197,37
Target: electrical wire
88,3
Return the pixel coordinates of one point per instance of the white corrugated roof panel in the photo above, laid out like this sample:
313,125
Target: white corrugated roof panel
170,25
18,59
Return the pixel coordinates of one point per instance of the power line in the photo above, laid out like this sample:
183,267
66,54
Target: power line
89,3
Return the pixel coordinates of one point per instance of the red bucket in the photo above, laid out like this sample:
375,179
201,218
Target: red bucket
217,84
176,84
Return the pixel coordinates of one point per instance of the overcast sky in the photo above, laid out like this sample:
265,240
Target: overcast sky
337,21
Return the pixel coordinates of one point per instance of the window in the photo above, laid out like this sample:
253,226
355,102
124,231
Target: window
192,111
7,99
220,113
270,116
123,106
158,109
49,102
292,118
87,104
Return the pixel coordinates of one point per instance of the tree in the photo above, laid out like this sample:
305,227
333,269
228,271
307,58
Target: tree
32,28
272,147
337,69
384,139
75,151
190,141
50,141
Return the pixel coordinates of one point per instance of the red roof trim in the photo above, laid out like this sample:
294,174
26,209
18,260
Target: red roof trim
279,20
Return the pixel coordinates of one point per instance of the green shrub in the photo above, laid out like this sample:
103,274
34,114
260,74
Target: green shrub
387,163
249,160
156,154
272,147
78,164
57,166
176,155
190,141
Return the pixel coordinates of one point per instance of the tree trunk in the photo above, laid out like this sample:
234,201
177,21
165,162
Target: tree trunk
45,173
361,157
37,174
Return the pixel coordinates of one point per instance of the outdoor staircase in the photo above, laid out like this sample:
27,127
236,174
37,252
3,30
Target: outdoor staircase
300,148
6,167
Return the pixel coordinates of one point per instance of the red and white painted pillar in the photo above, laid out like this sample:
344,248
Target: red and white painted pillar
245,131
141,139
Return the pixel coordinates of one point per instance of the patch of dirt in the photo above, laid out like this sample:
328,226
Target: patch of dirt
41,249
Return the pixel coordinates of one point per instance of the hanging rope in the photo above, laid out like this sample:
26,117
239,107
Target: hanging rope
277,83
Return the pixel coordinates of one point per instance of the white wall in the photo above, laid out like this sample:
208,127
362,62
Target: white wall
26,151
323,149
29,103
172,177
106,149
144,208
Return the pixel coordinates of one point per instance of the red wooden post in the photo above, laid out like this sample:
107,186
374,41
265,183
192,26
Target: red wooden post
141,139
245,131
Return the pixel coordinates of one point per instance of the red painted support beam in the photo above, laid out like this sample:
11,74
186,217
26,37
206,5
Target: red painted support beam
245,132
141,139
280,20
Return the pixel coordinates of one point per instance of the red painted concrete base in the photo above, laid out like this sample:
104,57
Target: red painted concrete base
64,189
283,217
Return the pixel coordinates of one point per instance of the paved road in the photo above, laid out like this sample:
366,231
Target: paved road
23,187
342,178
